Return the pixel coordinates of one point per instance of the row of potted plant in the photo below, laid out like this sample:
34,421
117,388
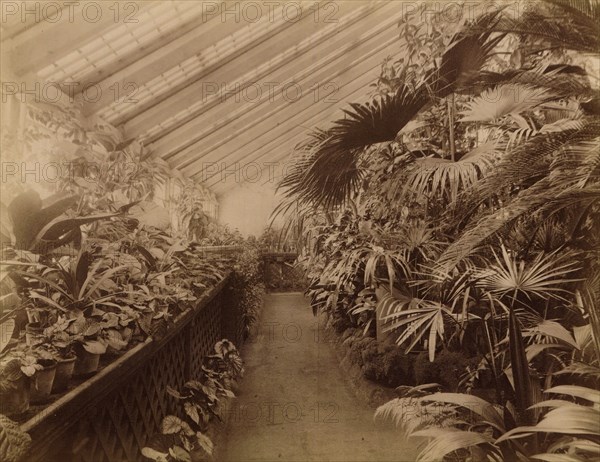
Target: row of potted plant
73,309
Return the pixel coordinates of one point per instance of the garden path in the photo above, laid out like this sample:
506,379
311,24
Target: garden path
294,405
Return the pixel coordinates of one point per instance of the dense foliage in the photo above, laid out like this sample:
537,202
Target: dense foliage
97,268
457,214
202,401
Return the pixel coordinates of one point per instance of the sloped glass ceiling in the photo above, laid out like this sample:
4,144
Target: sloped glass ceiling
220,90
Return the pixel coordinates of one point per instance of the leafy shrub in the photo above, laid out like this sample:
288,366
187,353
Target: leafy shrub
357,347
340,322
247,286
388,365
446,369
186,439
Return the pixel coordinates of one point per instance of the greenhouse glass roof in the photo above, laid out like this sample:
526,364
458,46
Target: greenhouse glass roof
206,83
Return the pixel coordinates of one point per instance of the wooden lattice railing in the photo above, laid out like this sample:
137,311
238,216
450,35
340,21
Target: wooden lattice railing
109,417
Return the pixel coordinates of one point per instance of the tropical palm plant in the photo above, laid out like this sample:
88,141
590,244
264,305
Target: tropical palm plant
468,426
329,169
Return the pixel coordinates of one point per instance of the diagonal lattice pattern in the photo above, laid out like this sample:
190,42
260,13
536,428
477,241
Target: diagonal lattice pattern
119,425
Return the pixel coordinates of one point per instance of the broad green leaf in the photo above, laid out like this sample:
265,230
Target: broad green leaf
171,424
173,392
192,411
178,453
95,347
205,443
154,454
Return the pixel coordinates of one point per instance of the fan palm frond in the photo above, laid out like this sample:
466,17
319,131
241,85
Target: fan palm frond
430,175
561,81
541,198
529,162
566,23
328,171
545,276
469,50
379,120
497,102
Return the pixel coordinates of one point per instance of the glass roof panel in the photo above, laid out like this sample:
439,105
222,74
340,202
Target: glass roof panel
157,20
195,65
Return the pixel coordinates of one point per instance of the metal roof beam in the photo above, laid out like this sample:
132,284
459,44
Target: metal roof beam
158,61
240,41
43,43
369,55
297,119
276,47
304,70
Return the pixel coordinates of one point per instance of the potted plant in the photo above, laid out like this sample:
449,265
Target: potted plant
17,366
62,342
15,442
43,378
88,345
33,333
14,388
38,320
115,331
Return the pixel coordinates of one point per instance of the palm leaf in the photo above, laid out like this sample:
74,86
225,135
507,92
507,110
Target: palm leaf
552,329
432,176
445,441
472,403
327,172
570,420
566,24
531,161
546,197
544,276
410,414
519,365
577,391
502,100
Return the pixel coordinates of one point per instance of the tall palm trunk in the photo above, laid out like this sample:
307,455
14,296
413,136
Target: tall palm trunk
451,140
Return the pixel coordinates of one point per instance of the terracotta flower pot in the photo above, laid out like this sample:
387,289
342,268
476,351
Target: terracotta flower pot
42,382
86,363
15,401
33,333
64,372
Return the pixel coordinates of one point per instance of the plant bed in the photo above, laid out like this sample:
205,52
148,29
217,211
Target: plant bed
98,396
366,390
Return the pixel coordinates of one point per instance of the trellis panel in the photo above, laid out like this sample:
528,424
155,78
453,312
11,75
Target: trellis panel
109,417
